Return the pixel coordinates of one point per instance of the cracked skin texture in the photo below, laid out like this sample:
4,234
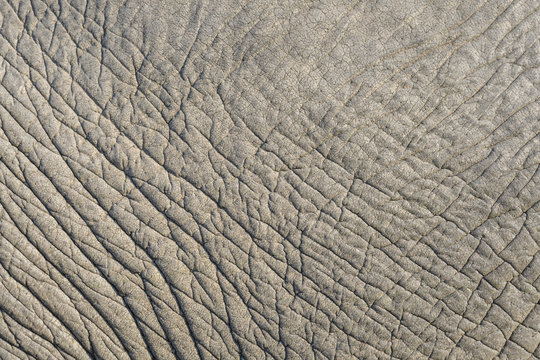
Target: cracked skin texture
269,179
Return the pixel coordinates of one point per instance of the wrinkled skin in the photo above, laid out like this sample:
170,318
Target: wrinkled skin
268,179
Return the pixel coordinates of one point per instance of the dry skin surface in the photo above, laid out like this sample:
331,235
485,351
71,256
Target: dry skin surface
269,179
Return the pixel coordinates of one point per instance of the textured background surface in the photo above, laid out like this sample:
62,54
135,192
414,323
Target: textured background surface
269,179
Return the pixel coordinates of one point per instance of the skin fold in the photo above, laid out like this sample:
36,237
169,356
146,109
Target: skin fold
269,179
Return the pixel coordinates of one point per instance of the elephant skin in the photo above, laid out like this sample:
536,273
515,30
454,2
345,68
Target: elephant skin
269,179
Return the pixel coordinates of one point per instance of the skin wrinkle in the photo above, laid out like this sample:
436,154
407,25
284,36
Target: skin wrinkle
289,180
81,250
83,185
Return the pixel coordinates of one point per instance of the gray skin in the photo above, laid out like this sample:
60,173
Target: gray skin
269,179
